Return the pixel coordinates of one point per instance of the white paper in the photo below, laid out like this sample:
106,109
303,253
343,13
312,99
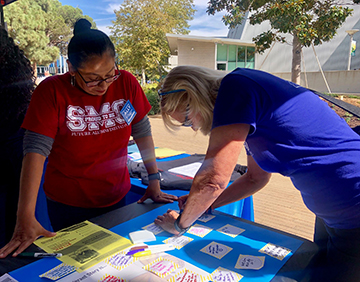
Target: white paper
7,278
187,170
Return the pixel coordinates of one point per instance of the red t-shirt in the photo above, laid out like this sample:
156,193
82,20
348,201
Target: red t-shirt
87,164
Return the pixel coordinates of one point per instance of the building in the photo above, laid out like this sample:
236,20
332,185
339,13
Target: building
324,67
216,53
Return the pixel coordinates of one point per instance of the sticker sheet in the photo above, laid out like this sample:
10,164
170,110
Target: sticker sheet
275,251
231,230
224,275
161,267
216,250
199,230
250,262
178,241
156,229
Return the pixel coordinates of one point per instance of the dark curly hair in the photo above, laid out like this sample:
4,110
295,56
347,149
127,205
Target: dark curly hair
17,82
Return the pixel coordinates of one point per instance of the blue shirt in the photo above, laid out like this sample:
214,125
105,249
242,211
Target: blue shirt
294,133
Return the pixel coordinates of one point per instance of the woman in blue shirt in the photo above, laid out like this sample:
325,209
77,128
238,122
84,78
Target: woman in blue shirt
285,129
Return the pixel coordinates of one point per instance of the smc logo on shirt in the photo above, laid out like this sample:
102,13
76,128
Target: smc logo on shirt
88,119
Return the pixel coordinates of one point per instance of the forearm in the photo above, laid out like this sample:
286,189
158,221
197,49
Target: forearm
208,184
31,173
240,189
147,151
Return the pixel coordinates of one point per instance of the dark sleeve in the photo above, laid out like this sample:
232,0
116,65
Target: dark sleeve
141,129
37,143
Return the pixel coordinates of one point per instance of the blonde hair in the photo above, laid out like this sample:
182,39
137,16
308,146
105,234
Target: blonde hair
200,86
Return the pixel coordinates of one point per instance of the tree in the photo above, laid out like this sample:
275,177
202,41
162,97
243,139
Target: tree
26,25
308,21
42,28
139,33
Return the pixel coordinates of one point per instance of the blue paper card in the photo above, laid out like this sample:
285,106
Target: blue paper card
128,112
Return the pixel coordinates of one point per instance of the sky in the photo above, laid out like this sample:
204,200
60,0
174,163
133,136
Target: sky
102,12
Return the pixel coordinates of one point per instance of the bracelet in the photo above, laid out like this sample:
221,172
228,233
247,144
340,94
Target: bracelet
153,176
178,228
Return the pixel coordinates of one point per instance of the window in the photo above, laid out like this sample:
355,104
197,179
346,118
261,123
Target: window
230,57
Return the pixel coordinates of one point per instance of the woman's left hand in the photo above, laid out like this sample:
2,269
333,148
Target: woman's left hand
154,192
167,220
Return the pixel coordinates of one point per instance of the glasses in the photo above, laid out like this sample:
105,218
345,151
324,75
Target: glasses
94,83
169,92
187,122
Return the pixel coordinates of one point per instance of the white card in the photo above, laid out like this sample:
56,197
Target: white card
216,250
275,251
231,230
250,262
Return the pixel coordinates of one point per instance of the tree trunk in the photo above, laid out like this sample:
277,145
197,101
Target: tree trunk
34,67
296,61
143,79
56,67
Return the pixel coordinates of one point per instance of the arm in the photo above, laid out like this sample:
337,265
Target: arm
211,180
147,151
27,228
248,184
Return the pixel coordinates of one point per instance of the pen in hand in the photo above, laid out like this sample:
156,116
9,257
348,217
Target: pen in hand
40,255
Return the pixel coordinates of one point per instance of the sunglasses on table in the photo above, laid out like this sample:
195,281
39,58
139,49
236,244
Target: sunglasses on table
93,83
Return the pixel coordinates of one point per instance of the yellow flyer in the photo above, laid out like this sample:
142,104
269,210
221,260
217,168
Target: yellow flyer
84,244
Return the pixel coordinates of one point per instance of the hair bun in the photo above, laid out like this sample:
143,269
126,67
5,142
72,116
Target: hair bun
81,26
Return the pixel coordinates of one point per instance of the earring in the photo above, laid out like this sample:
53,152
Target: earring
72,80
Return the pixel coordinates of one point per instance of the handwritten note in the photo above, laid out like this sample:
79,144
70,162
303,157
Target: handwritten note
250,262
111,278
216,250
231,230
156,229
161,267
199,230
206,217
275,251
188,276
178,242
120,260
58,272
224,275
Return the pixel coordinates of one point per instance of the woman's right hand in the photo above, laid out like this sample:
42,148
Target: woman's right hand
182,201
27,230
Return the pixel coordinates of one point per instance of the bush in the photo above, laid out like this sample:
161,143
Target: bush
153,98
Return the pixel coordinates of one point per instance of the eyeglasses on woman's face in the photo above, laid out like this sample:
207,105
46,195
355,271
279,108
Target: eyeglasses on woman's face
93,83
187,122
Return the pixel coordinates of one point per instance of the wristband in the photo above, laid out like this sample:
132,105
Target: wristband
153,176
178,228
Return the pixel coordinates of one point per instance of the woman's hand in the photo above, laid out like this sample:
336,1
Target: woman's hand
167,220
182,201
154,192
26,231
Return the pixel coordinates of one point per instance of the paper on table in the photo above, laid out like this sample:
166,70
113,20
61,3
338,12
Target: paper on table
83,244
7,278
164,153
188,170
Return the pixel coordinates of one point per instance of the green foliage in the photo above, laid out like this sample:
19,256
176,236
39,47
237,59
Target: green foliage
153,98
139,33
41,28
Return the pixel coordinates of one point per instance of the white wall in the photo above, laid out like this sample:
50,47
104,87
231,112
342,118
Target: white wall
339,82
